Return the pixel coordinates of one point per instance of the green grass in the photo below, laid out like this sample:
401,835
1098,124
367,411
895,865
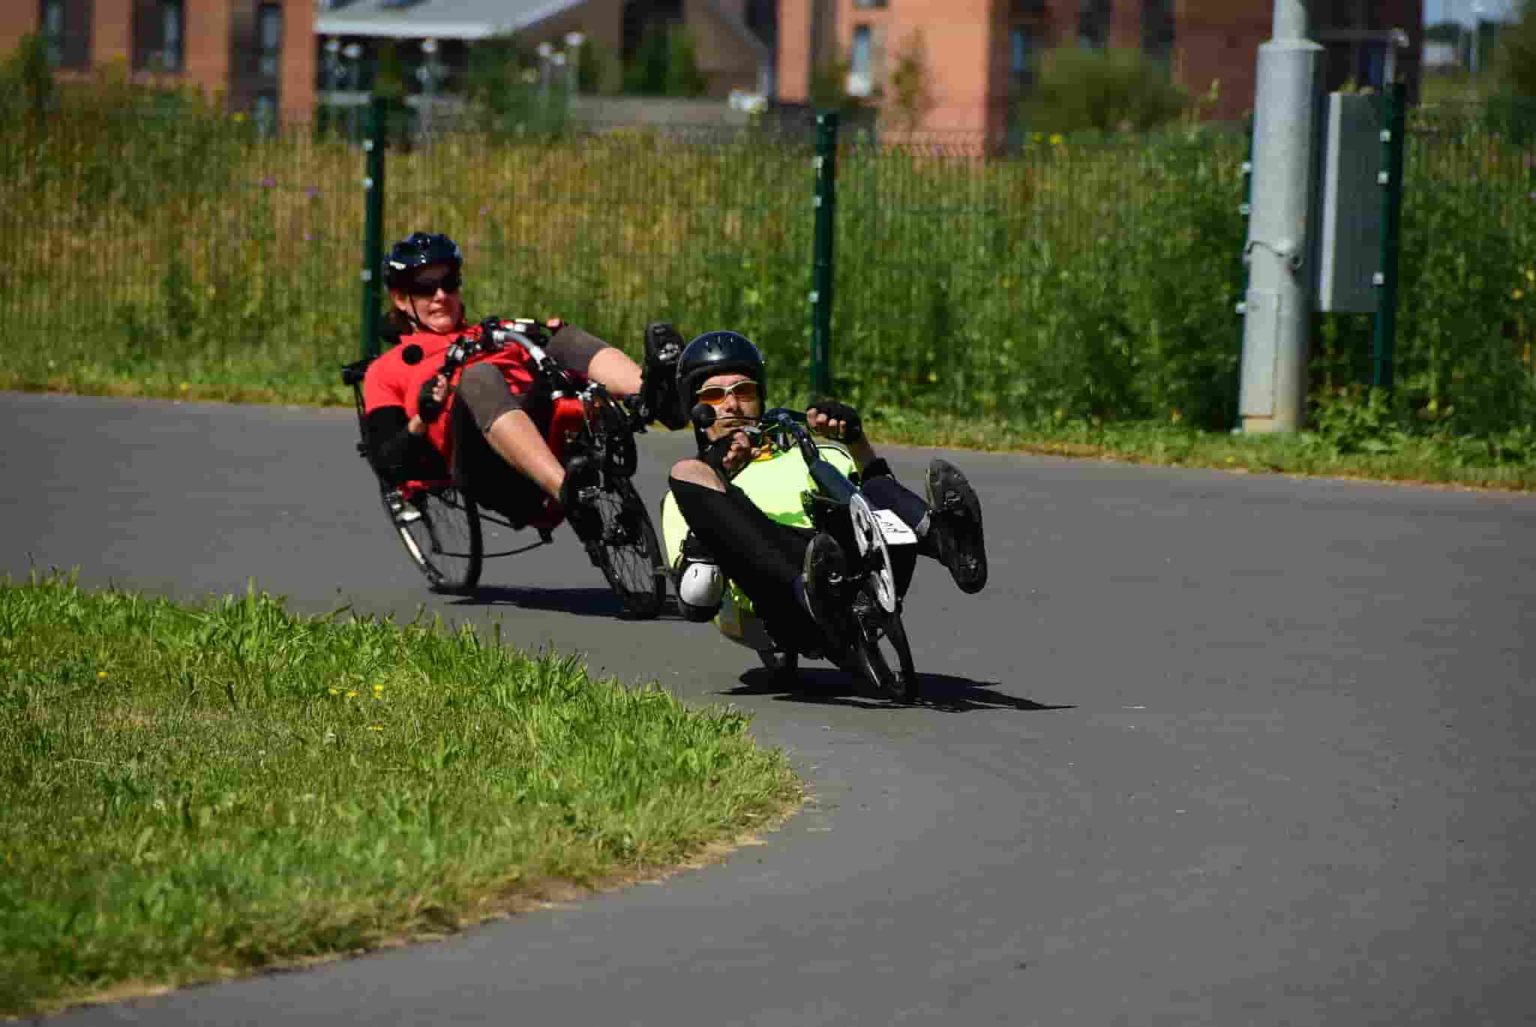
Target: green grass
191,792
1507,462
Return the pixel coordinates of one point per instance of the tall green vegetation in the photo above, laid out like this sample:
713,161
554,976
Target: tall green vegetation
1517,53
1114,90
911,93
665,64
1078,280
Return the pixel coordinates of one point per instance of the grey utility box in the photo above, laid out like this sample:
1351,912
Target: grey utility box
1354,195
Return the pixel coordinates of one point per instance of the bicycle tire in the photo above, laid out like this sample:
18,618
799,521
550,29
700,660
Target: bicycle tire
876,632
440,529
628,551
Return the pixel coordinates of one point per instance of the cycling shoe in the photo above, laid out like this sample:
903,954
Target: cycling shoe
955,523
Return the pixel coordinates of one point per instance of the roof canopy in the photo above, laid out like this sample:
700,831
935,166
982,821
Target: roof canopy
435,19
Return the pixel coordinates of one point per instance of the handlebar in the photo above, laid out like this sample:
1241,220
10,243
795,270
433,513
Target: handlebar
832,482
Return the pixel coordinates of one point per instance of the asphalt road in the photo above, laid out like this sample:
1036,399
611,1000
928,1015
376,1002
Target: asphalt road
1210,749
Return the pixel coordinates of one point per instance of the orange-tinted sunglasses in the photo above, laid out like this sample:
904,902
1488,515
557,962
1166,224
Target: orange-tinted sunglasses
714,395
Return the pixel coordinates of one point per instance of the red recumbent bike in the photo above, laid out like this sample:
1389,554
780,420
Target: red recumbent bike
439,522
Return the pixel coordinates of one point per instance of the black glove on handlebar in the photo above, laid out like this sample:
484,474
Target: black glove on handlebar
714,453
853,428
428,407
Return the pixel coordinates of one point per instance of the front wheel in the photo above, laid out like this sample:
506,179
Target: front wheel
440,529
880,648
627,551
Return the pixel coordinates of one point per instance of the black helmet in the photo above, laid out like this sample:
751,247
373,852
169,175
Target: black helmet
418,250
718,353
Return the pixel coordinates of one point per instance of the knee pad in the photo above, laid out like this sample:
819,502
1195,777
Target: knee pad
699,589
484,391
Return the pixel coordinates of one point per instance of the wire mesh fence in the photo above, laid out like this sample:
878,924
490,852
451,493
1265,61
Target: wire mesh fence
160,244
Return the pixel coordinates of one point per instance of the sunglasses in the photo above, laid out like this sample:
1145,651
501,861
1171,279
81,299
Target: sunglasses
427,287
714,395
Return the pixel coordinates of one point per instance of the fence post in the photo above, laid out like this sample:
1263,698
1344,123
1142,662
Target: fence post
1394,141
373,224
825,202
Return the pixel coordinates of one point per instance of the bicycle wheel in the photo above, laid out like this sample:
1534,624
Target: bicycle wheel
440,529
628,552
881,649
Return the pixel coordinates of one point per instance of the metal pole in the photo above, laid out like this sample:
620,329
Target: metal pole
1394,143
825,203
373,225
1278,305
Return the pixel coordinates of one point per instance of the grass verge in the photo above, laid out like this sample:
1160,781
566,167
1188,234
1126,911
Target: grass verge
193,792
1471,462
1377,455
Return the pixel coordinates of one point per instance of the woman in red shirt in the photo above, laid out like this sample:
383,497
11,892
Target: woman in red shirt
487,425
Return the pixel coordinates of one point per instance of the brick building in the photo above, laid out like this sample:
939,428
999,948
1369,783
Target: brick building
258,55
981,55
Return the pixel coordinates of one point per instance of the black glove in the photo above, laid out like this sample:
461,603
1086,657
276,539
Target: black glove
713,453
853,428
428,408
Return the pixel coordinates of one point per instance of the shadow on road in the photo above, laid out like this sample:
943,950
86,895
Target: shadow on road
826,685
583,602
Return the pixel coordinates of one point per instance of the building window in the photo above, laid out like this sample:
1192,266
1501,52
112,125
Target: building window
269,40
1093,24
1157,30
1021,59
159,31
865,5
66,30
861,62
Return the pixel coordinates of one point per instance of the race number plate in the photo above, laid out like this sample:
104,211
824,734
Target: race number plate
894,529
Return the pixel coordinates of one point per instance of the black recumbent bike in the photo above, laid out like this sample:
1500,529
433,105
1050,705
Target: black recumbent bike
439,522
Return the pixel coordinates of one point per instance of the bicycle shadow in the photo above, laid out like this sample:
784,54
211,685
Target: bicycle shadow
946,693
582,602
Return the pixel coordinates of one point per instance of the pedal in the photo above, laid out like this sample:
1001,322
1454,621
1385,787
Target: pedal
404,512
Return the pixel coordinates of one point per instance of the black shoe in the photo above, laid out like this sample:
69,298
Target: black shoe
576,499
663,347
824,576
955,524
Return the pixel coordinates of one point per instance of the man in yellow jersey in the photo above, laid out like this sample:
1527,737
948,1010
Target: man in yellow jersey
737,532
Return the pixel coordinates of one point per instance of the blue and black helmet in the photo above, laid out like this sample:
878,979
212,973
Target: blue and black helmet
418,250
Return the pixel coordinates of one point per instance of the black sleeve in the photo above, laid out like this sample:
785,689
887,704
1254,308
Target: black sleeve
395,453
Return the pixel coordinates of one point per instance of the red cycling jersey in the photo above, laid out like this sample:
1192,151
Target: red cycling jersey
392,382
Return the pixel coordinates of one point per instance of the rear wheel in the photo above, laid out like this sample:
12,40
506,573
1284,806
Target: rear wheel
440,530
627,551
881,649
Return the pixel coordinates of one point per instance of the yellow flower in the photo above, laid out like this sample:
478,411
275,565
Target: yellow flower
1057,139
375,727
185,386
334,691
101,675
351,693
378,689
